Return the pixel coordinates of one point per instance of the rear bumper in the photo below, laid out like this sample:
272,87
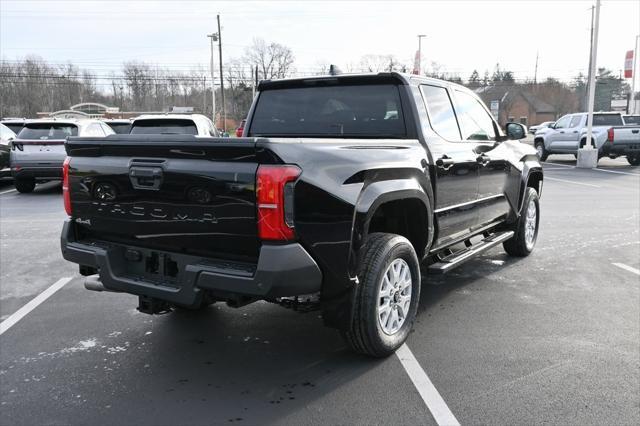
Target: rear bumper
282,270
621,148
52,170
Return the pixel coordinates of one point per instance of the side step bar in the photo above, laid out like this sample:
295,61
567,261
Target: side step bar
449,262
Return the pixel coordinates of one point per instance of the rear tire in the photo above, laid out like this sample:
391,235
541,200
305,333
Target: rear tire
387,295
541,151
634,160
526,227
25,186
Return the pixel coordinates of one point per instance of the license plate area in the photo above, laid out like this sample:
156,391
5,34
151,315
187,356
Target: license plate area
151,266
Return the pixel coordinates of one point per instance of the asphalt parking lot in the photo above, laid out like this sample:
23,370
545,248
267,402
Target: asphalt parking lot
552,338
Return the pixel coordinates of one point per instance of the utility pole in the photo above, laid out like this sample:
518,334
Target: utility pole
586,94
204,94
420,36
588,156
535,73
224,110
213,38
634,75
255,82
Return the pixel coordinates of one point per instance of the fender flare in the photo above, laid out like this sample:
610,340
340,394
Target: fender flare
532,167
373,196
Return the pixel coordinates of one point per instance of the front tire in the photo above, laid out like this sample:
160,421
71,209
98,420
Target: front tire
541,151
386,297
634,160
526,227
25,186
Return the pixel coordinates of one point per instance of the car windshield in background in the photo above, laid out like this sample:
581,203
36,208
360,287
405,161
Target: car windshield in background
120,128
164,127
46,131
631,120
371,111
15,127
607,120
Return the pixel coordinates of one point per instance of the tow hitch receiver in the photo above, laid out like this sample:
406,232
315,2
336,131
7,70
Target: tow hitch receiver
152,306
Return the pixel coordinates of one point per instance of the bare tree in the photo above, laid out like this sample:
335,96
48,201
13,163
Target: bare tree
273,60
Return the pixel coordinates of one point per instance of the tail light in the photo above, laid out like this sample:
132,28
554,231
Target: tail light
610,135
65,186
275,202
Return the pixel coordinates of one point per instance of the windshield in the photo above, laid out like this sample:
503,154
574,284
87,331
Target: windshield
330,111
46,131
164,127
607,120
120,128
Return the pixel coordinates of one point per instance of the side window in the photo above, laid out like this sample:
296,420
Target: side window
475,122
575,121
563,122
94,130
441,115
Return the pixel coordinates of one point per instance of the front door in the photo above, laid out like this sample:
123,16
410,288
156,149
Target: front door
478,128
558,137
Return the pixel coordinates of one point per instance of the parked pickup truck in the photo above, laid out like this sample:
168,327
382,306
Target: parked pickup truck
343,195
609,135
38,152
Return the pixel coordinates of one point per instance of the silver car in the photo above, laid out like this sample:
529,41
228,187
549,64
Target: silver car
38,152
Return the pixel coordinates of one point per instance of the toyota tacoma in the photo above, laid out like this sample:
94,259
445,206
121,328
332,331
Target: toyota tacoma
345,193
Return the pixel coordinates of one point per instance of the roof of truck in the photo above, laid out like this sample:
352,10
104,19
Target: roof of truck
403,78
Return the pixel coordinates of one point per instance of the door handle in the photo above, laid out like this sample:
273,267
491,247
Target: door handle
483,160
561,131
445,162
575,131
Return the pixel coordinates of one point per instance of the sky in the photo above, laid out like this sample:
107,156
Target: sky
460,35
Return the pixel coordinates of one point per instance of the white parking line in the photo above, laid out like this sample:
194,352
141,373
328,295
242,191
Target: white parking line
22,312
436,405
6,192
558,164
616,171
627,268
573,182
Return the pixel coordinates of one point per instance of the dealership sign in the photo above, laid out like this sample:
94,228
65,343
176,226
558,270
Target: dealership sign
628,64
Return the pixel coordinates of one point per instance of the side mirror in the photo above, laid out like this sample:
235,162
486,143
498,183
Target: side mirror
552,126
516,131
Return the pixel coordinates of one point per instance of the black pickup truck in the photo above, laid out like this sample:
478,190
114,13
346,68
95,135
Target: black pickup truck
342,195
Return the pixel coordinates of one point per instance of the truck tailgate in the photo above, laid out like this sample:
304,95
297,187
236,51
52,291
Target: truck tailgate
626,134
174,193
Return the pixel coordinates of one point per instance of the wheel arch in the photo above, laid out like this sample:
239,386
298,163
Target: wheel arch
399,206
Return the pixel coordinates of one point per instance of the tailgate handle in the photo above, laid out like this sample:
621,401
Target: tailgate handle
635,131
149,178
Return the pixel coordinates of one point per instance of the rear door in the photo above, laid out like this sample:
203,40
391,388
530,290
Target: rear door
571,134
456,168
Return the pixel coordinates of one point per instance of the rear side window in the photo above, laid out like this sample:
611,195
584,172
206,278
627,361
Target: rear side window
120,128
607,120
367,111
164,127
46,131
441,115
475,122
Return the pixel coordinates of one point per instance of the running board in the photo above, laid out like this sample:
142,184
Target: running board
457,258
